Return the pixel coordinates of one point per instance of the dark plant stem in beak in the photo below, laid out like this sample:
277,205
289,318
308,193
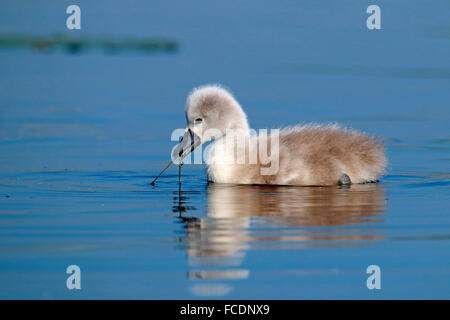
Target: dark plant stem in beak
187,144
153,182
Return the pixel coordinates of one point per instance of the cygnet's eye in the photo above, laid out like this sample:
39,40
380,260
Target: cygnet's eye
198,120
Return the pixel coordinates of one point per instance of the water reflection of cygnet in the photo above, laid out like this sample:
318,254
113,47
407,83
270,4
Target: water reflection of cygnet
243,216
297,206
239,215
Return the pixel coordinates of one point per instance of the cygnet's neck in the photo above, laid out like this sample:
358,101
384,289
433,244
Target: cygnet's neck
240,122
233,143
240,130
233,140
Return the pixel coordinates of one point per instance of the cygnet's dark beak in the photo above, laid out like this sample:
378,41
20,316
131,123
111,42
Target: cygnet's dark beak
187,144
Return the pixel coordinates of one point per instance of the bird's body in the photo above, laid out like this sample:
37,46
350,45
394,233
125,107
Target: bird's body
308,155
303,155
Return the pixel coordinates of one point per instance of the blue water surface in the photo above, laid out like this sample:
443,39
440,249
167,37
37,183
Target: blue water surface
82,134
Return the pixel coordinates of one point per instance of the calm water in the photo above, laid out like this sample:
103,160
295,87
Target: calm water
82,135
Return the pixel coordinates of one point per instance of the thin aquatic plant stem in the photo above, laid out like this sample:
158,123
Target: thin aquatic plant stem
153,182
179,201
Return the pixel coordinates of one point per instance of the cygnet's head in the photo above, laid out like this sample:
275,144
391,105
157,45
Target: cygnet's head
210,112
